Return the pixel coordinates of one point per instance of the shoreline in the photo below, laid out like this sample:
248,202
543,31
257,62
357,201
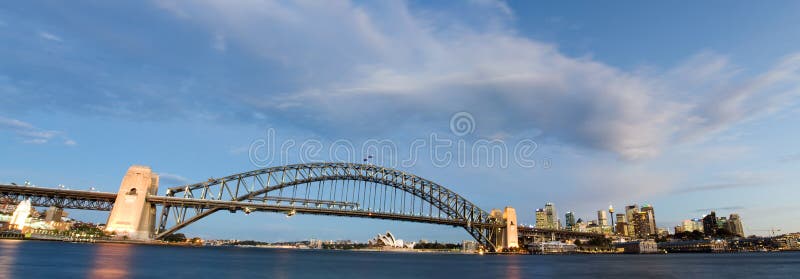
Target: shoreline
381,250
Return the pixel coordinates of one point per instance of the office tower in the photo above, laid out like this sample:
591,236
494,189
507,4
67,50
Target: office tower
541,219
722,222
552,217
641,225
602,220
622,228
735,225
710,223
651,218
691,225
630,211
570,220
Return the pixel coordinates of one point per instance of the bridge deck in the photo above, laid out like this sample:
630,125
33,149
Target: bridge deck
63,198
323,210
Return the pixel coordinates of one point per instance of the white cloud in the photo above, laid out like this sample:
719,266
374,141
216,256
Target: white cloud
49,36
172,179
31,134
373,66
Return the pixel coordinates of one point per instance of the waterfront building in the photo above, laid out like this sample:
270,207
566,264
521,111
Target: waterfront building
678,229
388,240
638,247
734,225
710,223
693,246
7,206
788,242
20,217
570,220
552,247
469,246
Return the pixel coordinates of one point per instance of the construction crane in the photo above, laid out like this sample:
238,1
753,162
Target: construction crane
770,230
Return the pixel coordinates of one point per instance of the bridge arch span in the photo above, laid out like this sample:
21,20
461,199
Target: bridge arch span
341,189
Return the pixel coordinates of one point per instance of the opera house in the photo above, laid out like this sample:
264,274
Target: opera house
388,240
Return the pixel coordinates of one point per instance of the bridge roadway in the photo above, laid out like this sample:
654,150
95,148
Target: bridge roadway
103,201
63,198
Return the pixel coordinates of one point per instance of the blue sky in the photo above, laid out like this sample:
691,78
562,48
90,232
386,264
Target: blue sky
684,105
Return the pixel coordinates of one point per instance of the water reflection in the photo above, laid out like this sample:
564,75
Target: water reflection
284,260
513,268
112,261
8,255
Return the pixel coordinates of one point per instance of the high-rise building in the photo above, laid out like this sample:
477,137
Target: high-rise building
734,225
569,219
630,212
602,220
621,217
541,219
622,228
552,215
580,225
651,218
692,225
53,214
710,223
641,225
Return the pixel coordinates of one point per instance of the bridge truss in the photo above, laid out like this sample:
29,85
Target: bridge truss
62,198
341,189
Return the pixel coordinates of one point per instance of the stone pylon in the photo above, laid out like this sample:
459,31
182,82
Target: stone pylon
510,240
132,216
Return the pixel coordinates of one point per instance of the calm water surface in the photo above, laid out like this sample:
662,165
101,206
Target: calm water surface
39,259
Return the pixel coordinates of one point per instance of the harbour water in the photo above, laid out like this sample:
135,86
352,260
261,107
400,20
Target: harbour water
51,259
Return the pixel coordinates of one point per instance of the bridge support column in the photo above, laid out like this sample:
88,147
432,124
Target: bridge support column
132,216
505,237
511,239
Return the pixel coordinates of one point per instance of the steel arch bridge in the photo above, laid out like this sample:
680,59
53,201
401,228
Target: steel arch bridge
340,189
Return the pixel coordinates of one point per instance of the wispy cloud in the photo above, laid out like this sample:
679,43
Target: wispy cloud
49,36
31,134
374,64
736,180
726,208
711,187
392,58
790,158
172,179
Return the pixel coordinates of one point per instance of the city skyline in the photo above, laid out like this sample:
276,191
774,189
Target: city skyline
697,119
